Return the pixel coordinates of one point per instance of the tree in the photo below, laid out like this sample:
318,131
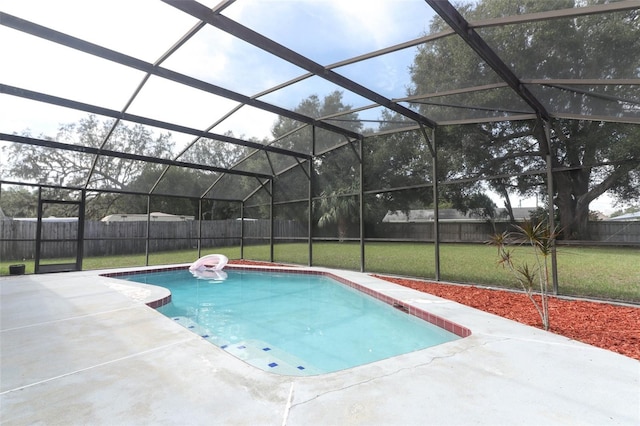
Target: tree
589,157
19,202
72,168
338,207
404,159
314,107
214,152
396,160
77,169
336,173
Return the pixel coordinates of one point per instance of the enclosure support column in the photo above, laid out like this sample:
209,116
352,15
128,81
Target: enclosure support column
431,143
146,245
551,213
38,232
361,207
310,217
199,228
436,200
242,230
310,211
271,185
81,213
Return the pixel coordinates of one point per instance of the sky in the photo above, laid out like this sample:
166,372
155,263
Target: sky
326,31
147,28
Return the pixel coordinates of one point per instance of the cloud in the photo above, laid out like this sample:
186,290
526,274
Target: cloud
333,30
380,23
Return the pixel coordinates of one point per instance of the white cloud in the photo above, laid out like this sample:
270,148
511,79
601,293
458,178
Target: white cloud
385,22
332,30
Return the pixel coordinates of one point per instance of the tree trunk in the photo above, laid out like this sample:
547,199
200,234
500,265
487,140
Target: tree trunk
581,221
342,228
571,196
507,204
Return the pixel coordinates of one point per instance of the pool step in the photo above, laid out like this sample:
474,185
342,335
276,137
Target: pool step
269,358
196,328
255,352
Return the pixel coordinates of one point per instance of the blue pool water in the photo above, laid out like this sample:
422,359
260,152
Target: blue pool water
292,324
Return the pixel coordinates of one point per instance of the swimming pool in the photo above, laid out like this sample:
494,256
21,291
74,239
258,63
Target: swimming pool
292,323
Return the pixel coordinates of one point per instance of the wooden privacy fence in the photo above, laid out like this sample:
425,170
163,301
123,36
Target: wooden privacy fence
602,232
17,238
424,231
617,232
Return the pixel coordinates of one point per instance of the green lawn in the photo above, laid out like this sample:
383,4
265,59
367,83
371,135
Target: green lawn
612,273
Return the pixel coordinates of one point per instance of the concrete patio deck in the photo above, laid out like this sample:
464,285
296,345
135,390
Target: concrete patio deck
79,348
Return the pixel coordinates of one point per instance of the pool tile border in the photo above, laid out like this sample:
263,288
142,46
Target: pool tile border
439,321
155,304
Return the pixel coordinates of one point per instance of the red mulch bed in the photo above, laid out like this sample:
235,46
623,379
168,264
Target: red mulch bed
612,327
607,326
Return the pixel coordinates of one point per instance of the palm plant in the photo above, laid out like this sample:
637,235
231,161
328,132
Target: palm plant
541,239
338,208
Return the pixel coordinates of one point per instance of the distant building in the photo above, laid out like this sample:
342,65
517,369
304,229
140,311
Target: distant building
47,219
598,216
627,217
142,217
426,215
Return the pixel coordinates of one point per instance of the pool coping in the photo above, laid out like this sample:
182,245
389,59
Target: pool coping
161,298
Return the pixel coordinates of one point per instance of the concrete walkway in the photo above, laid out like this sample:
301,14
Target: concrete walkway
78,348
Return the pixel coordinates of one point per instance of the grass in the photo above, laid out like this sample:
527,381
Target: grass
601,272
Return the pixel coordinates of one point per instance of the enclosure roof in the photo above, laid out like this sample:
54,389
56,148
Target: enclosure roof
219,76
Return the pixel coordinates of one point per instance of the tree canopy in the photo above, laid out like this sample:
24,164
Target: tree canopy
588,158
